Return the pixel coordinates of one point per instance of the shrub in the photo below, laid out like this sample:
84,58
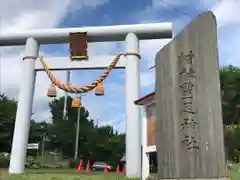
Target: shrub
4,161
32,163
232,142
73,163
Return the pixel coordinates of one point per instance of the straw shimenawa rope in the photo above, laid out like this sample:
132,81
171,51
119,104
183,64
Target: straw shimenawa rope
89,87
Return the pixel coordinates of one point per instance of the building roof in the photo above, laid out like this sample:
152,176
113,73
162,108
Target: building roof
144,99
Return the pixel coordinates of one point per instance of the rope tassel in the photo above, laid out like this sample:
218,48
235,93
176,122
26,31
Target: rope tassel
89,87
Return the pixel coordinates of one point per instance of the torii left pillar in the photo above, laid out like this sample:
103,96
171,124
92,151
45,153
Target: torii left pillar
24,110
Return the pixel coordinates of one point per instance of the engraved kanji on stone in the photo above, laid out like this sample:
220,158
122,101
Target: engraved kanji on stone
190,142
187,86
187,95
186,64
188,108
189,123
187,89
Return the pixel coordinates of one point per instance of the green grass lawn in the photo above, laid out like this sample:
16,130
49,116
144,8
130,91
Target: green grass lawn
61,174
70,174
234,172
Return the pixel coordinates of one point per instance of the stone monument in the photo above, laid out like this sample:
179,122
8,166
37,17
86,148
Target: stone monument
189,129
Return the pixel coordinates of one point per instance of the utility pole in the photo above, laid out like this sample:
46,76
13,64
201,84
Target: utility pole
66,97
77,131
97,121
42,149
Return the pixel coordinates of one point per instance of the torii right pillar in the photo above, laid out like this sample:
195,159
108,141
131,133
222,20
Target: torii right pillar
189,128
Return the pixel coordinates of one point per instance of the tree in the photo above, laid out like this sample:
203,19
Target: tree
230,88
232,143
63,132
7,119
8,108
37,130
95,143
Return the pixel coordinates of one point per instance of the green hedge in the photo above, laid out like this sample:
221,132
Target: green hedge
73,163
31,163
4,162
232,142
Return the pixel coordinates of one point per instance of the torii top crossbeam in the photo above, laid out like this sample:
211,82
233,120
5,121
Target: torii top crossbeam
95,34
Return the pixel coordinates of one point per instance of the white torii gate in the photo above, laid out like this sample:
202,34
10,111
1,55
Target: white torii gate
32,40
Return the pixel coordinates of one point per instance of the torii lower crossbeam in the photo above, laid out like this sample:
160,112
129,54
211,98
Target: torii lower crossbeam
94,62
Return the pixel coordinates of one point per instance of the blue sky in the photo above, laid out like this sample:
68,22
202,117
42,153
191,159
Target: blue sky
110,109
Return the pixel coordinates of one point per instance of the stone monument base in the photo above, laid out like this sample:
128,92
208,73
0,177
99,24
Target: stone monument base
155,178
226,178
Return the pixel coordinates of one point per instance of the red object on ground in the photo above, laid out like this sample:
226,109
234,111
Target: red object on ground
123,170
117,169
79,168
88,166
105,168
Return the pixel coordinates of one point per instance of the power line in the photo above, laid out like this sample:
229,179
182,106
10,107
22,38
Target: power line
215,5
151,67
177,9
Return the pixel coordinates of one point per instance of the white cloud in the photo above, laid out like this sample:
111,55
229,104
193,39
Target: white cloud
228,22
149,49
118,122
147,78
29,14
227,12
